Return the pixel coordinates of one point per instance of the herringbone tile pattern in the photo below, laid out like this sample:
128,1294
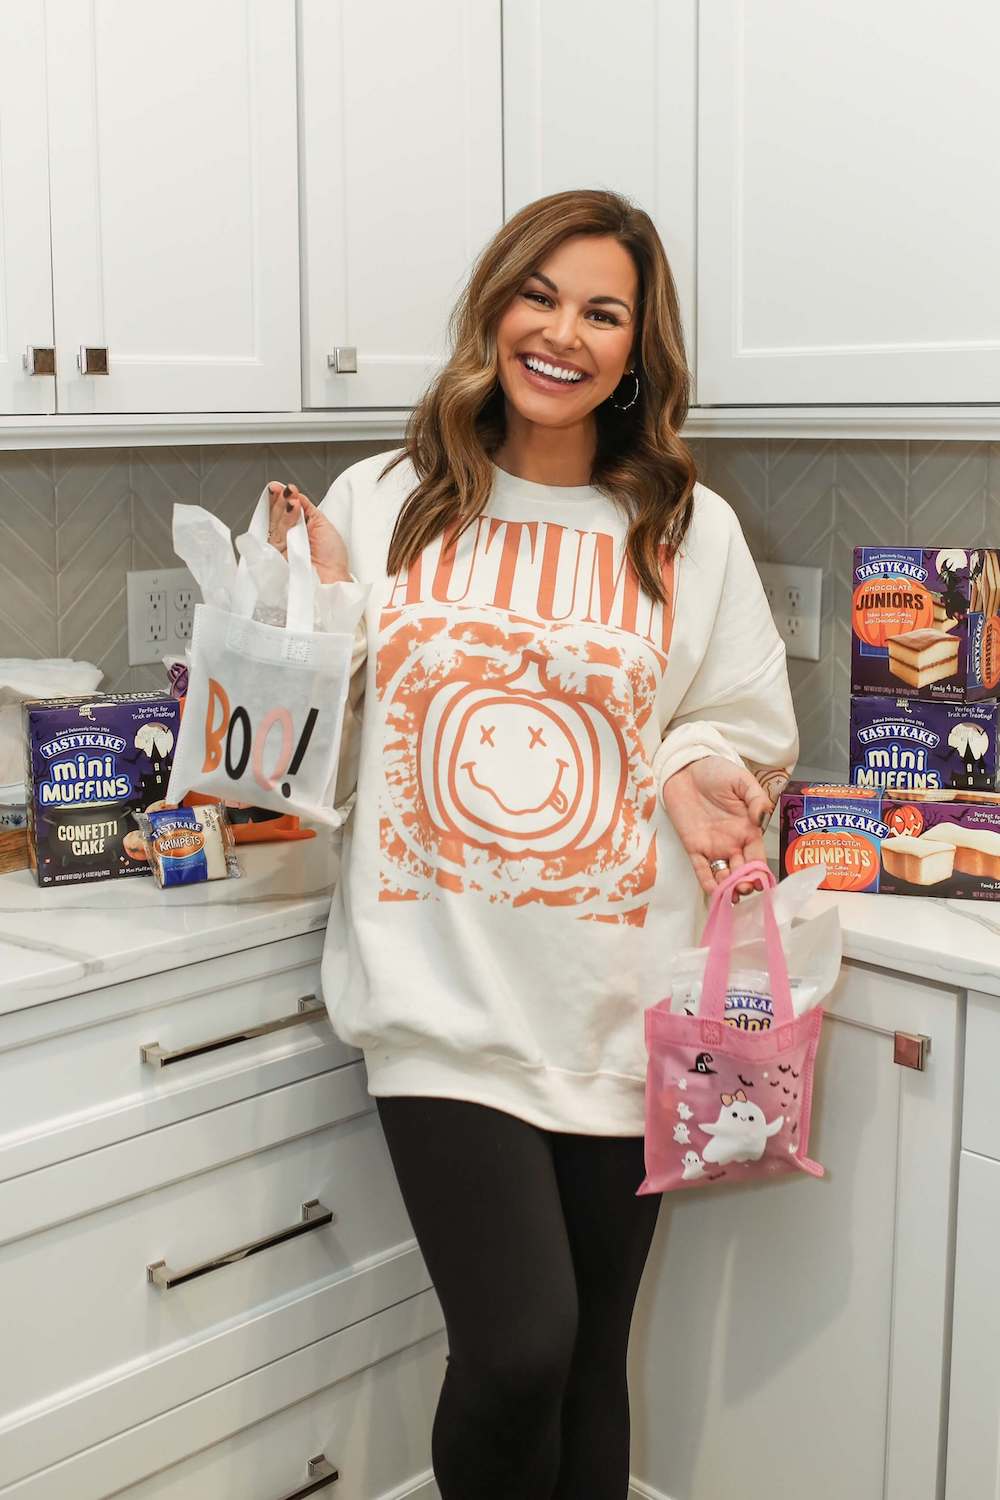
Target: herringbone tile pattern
73,523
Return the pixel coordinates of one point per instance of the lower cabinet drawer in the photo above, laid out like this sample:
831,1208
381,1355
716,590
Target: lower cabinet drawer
77,1302
112,1064
360,1402
372,1431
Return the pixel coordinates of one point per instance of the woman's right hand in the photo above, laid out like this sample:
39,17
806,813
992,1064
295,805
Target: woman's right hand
326,545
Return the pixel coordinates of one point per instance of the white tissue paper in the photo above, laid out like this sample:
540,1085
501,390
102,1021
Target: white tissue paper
21,679
813,950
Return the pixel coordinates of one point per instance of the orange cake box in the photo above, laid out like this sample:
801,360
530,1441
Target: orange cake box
893,840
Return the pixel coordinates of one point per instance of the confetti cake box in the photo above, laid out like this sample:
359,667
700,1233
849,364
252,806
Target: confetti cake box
898,842
925,623
89,764
920,746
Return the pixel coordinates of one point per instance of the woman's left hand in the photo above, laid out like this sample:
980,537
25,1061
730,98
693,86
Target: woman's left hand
719,810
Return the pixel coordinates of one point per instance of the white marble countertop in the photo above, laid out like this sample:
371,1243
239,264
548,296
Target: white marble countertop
63,942
58,942
952,942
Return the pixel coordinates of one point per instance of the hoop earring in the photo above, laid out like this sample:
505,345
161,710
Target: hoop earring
635,394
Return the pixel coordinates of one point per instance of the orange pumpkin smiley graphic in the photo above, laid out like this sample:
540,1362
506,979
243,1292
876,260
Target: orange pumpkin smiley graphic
520,765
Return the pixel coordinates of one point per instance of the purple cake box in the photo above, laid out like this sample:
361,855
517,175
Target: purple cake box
893,841
910,743
925,623
89,764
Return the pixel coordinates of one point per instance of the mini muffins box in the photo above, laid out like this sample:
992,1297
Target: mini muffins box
89,764
910,743
925,623
898,842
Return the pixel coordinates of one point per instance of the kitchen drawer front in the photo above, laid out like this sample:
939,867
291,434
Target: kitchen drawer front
74,1078
980,1121
75,1299
372,1430
363,1396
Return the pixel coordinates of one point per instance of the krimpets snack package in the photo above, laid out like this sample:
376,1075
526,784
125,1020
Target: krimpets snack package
901,842
188,845
925,622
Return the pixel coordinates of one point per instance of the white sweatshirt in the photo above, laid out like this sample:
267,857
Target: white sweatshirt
512,888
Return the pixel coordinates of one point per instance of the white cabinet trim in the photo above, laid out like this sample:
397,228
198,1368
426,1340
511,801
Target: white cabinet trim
927,424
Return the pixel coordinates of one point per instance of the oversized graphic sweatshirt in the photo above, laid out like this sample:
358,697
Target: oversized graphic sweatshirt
512,889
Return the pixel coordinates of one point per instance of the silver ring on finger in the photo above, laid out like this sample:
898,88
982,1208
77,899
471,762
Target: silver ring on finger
718,865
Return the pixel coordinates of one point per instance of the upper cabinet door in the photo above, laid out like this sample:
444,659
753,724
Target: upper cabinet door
600,95
25,257
402,186
848,226
174,204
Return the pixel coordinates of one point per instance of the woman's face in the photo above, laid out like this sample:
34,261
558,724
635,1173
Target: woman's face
565,340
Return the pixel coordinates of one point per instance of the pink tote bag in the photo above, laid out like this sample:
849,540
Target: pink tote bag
723,1104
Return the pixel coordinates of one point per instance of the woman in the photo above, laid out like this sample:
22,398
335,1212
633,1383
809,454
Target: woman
572,676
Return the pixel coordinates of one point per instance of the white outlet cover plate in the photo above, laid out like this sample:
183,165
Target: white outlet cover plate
798,621
143,645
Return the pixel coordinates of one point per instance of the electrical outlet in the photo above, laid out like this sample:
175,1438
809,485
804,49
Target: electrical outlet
160,613
795,596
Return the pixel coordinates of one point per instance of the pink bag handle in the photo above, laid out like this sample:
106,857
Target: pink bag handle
719,930
751,870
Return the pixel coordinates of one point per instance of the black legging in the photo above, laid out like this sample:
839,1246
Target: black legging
535,1242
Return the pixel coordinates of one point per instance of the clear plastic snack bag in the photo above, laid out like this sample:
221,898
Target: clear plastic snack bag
186,845
813,949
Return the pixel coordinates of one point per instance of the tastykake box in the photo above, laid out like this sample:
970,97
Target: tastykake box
90,763
910,743
925,623
898,842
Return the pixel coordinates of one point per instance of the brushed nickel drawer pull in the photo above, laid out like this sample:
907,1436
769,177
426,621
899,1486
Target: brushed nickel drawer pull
310,1009
322,1471
314,1216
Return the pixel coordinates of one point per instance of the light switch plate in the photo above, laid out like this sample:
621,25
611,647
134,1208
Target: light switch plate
160,613
795,595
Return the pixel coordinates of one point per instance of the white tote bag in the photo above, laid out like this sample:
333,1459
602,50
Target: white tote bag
264,709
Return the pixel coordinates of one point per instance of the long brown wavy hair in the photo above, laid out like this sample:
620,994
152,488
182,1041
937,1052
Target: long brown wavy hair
641,463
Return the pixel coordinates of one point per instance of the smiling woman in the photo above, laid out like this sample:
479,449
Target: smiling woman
571,673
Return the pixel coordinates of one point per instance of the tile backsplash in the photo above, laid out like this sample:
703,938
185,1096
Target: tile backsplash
73,523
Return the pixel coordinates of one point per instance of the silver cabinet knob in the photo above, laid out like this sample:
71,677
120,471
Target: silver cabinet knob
93,361
344,360
39,360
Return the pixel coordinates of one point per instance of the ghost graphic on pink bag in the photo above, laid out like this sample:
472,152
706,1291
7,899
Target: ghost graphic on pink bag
740,1133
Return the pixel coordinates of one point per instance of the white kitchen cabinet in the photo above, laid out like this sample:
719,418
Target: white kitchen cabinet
974,1422
597,95
360,1401
816,1311
25,256
847,229
174,203
401,186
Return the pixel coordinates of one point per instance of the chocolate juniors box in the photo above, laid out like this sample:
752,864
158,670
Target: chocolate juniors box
925,623
907,742
899,842
89,764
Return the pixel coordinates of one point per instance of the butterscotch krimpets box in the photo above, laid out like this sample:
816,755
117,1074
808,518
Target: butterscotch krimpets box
894,841
925,622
